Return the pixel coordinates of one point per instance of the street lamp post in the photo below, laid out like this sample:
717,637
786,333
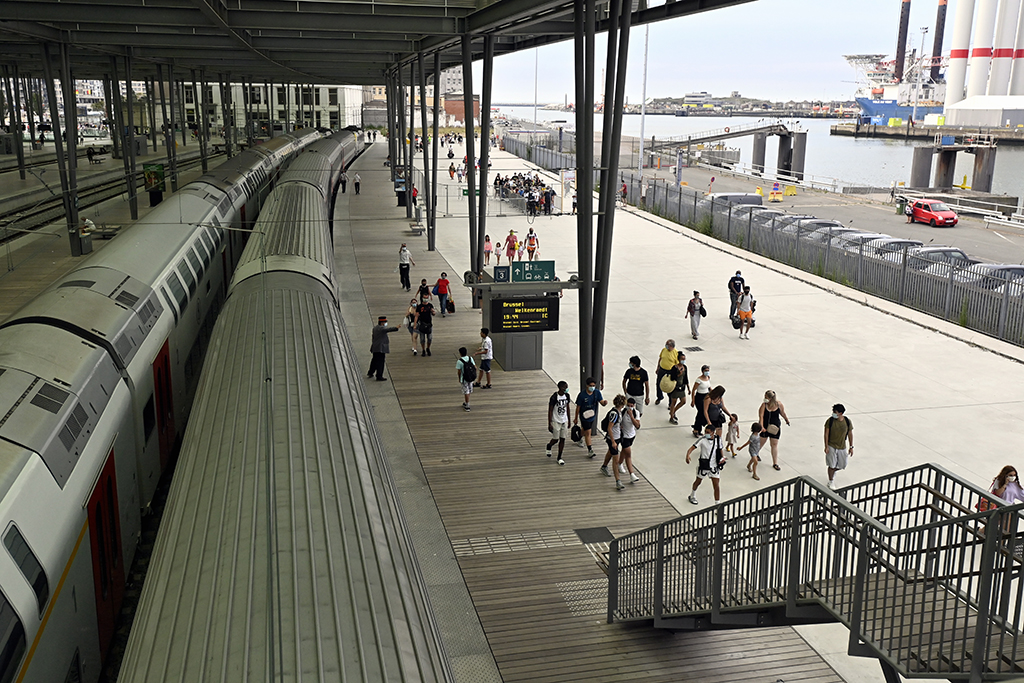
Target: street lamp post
920,68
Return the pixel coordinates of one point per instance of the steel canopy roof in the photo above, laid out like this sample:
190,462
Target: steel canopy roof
300,41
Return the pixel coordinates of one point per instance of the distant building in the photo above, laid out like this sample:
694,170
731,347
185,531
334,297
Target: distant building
697,98
451,81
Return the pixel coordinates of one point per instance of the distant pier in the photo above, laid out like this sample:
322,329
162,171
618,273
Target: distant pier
1002,136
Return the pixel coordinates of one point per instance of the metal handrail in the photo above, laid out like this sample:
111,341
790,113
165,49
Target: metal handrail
955,580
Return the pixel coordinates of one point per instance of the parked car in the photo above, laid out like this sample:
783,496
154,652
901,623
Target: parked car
983,275
884,246
933,212
823,234
921,258
853,242
807,225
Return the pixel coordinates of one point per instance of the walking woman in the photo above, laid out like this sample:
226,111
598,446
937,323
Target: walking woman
697,398
694,311
677,397
410,320
715,414
770,415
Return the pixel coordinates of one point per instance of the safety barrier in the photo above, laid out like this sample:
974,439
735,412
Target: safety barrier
925,582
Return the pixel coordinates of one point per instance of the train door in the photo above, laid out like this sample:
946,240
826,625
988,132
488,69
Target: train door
107,564
164,403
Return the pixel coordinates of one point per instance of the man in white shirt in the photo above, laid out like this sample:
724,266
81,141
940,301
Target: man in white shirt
355,182
404,259
745,311
558,420
486,353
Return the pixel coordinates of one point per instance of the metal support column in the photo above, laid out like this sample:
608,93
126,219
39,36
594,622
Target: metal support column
172,125
130,168
400,119
179,97
270,113
485,145
70,210
224,113
168,131
427,186
203,121
610,139
118,129
411,156
584,59
108,105
389,99
432,227
476,255
30,108
151,88
14,108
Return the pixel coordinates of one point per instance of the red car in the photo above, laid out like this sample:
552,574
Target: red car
933,212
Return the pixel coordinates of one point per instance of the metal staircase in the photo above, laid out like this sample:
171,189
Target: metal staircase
924,581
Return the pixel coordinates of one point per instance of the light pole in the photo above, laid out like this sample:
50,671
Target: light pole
920,68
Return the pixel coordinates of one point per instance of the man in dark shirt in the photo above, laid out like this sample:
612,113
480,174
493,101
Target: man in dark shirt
735,290
425,324
635,384
379,347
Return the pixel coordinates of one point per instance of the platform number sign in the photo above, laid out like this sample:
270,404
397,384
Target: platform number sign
502,273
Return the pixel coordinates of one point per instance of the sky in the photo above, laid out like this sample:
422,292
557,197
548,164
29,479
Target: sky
771,49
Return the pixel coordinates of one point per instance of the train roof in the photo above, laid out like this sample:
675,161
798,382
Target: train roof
282,532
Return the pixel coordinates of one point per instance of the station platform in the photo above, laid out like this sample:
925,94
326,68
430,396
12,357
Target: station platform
916,389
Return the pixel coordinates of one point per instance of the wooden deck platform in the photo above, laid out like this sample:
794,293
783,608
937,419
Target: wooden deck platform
511,514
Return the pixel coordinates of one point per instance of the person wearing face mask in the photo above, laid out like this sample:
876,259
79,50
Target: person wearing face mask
838,432
709,463
635,384
677,397
587,402
1007,486
698,396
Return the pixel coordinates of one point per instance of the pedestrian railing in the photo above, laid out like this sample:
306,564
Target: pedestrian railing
922,579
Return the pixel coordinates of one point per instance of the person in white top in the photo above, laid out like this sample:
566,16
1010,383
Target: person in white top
404,259
486,353
1007,487
629,422
355,182
558,419
745,311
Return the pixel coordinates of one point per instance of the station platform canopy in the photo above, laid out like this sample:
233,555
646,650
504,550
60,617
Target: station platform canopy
298,41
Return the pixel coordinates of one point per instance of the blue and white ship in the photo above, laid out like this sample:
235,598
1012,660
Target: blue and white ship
882,98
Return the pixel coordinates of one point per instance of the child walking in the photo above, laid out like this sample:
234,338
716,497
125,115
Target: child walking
732,434
754,443
487,250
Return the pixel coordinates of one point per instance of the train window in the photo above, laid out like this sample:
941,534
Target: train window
187,276
178,290
148,418
208,242
28,564
204,254
12,641
197,266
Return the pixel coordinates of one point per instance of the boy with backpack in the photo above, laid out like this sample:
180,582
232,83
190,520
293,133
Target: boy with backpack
465,369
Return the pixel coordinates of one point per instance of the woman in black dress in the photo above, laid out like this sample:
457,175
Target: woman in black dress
698,396
770,415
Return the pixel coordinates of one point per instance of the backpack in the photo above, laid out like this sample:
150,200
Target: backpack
468,371
607,419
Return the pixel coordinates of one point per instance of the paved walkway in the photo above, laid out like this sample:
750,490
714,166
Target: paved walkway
917,389
504,533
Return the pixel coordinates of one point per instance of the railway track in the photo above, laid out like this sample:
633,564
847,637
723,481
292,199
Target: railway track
51,209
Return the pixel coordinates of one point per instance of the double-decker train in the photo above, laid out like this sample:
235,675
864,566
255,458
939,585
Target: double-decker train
97,376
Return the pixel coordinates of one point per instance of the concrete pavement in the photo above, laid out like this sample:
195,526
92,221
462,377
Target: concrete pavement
917,389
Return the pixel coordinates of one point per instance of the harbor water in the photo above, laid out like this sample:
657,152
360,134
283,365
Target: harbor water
852,162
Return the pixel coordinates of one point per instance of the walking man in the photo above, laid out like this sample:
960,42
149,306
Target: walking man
838,432
666,361
635,384
532,243
586,409
425,324
379,347
486,351
558,419
745,310
465,368
735,290
404,260
344,181
355,182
